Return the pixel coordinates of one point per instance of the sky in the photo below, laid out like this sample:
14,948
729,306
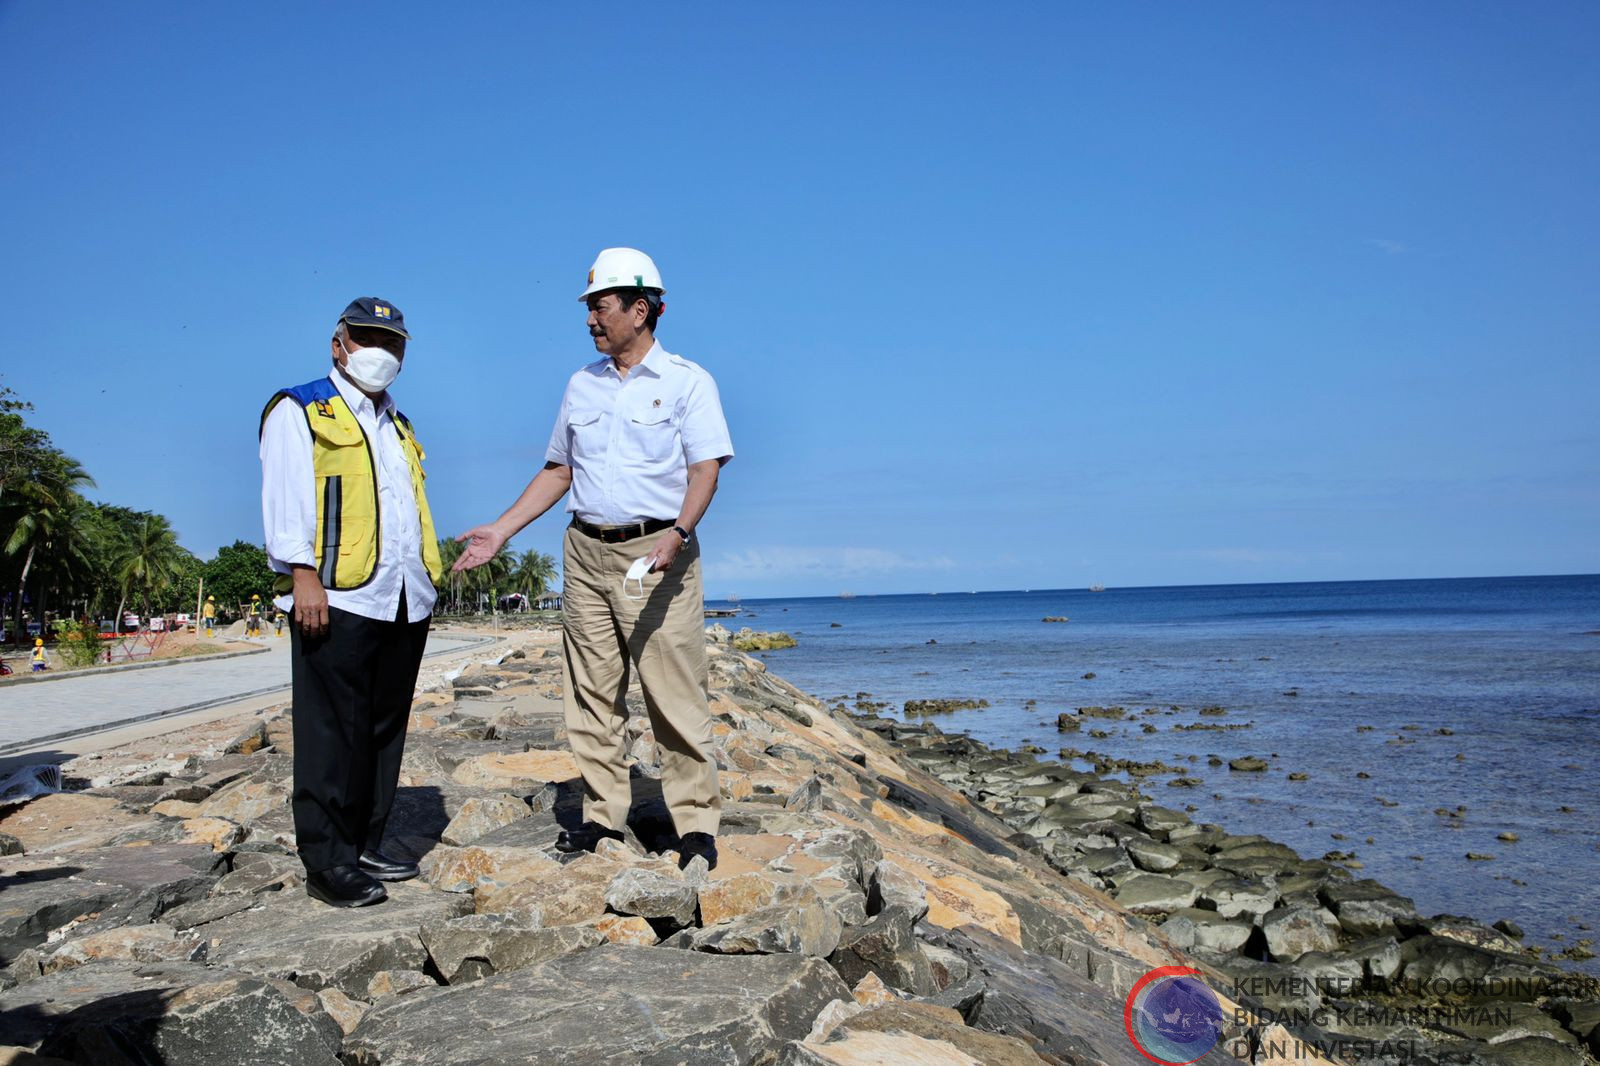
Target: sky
1003,296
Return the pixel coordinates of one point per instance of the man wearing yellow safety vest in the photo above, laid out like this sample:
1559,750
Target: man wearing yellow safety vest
253,616
350,534
40,660
639,441
208,616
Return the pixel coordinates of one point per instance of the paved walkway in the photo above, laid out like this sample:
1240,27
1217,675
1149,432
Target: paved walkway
31,714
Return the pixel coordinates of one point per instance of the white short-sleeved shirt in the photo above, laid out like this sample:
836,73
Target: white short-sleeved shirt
630,440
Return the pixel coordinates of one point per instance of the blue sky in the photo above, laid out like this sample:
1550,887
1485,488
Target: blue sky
1029,295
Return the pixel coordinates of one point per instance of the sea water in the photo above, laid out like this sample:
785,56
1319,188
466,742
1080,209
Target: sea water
1479,698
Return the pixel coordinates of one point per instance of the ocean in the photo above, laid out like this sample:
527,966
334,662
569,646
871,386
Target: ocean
1469,705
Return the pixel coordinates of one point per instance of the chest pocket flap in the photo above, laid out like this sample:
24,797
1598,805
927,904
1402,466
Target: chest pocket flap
652,416
334,432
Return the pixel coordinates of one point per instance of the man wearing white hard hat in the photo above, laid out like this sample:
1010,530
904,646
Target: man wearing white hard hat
639,442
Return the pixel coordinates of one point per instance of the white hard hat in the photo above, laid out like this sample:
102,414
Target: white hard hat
622,268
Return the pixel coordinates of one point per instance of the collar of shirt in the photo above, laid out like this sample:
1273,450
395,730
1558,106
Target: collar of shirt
356,398
651,362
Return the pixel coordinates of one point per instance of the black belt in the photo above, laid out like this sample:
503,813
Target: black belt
619,534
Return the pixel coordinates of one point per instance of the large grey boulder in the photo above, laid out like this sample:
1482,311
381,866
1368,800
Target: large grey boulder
801,925
1047,1003
1190,928
480,815
608,1006
476,945
122,885
294,937
1293,931
655,895
1442,965
1237,897
887,946
1365,908
1153,855
1155,894
178,1014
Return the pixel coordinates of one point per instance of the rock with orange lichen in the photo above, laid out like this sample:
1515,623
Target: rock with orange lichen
516,769
574,893
618,929
464,869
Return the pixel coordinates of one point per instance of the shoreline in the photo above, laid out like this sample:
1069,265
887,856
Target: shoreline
887,912
1104,833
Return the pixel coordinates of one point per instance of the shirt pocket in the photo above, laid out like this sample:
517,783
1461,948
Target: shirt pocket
587,432
651,435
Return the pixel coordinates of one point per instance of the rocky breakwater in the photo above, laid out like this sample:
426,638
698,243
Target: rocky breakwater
1345,963
863,910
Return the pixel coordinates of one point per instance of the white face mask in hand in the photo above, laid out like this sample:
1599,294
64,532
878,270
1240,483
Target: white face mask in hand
636,573
372,368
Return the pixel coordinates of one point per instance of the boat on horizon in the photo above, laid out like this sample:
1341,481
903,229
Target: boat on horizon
1097,588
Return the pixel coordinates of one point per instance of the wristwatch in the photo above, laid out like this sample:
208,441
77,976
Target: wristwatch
684,533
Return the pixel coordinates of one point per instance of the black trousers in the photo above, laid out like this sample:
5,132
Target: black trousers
352,700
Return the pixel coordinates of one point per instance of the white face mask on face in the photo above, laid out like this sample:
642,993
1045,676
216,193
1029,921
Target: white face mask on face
371,368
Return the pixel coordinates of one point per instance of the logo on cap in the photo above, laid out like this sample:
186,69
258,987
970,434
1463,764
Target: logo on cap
591,277
380,311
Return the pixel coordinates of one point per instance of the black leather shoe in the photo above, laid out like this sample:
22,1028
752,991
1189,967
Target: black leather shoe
585,837
701,844
375,863
344,886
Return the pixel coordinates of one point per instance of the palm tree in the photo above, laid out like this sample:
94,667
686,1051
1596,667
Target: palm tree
150,562
450,550
491,575
533,573
46,506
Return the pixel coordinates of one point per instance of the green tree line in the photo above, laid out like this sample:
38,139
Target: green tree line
64,555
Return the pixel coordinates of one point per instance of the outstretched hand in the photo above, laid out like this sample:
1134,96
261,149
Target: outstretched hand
482,542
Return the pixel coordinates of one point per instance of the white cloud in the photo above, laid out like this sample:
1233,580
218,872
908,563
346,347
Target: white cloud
785,562
1391,247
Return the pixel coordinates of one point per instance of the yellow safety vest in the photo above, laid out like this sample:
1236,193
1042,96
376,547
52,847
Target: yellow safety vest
347,537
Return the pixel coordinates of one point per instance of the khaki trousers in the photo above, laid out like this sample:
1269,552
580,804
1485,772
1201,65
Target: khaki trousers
604,636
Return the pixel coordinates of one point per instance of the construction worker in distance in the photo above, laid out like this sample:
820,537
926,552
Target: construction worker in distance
277,622
639,440
41,661
349,533
253,627
208,616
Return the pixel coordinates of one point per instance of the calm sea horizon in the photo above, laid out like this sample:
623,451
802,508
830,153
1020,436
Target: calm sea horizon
1469,704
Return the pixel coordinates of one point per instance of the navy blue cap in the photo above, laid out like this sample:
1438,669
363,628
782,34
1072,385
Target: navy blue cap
375,313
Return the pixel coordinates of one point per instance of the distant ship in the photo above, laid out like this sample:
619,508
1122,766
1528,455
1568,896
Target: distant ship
1097,588
847,595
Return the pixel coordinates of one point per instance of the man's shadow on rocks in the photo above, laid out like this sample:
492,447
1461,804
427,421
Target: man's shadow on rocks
420,814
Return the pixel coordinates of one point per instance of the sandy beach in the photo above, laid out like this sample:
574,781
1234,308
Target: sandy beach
886,893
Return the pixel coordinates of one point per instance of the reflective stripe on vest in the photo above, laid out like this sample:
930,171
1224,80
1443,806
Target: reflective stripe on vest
347,538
